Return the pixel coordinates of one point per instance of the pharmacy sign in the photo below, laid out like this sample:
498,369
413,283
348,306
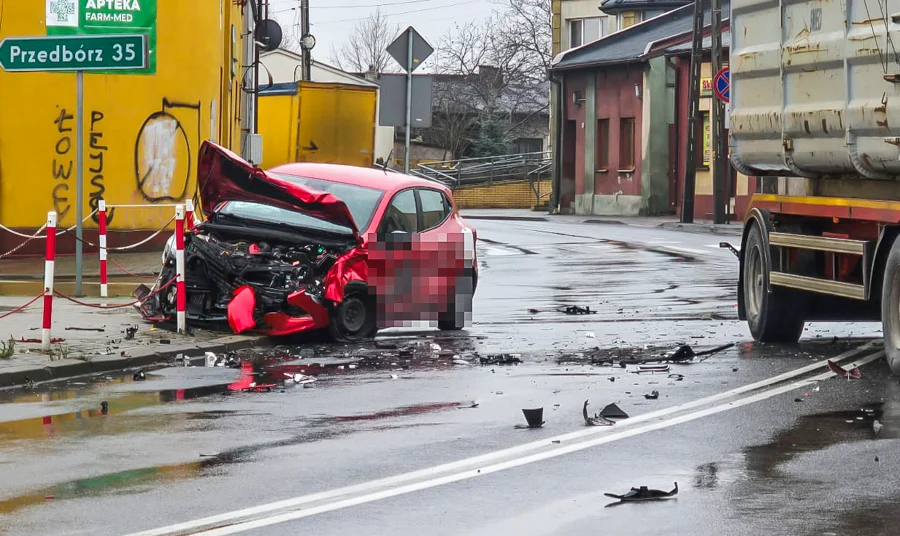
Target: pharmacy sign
105,17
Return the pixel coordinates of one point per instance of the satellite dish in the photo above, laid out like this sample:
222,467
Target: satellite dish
269,33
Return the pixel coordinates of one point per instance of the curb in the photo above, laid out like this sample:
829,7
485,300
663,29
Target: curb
505,218
70,368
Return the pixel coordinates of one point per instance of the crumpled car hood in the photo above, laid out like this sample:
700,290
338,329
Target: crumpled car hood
224,176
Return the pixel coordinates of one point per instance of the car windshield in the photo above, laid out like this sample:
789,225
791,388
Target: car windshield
277,216
361,200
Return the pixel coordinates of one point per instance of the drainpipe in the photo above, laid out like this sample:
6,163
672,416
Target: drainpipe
556,156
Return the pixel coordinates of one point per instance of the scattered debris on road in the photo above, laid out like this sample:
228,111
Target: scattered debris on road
676,377
853,374
652,396
130,332
534,418
300,379
576,310
651,369
500,359
612,411
643,493
139,376
596,420
98,330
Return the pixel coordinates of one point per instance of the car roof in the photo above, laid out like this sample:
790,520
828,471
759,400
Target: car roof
388,181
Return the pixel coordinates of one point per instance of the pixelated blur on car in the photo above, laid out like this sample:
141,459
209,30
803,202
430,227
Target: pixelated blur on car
306,246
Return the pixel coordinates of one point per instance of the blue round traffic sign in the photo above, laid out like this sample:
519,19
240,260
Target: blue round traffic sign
722,85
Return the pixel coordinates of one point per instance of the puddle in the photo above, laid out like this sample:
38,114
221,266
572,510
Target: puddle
136,481
818,432
405,411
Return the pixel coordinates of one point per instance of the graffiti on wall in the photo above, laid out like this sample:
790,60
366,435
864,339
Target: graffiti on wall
162,152
96,154
163,160
63,162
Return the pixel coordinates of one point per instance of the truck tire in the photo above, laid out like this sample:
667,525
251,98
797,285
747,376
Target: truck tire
774,316
890,308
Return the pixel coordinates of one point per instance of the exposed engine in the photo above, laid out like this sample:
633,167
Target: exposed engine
216,267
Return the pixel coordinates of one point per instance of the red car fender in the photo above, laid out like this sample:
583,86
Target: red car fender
240,309
317,311
282,324
352,266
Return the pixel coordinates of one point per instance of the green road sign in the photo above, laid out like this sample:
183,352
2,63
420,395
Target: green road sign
74,53
106,17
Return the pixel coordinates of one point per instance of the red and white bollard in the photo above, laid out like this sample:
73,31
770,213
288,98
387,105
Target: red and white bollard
101,224
189,213
181,297
49,261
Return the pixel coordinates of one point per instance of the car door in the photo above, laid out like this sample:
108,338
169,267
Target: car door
393,261
439,240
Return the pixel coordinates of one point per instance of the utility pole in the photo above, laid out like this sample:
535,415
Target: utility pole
719,176
257,18
690,161
304,31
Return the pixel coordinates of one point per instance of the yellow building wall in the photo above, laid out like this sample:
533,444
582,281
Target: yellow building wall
517,194
324,123
141,133
278,126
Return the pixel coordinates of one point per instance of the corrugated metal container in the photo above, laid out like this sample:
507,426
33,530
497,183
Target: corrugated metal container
811,94
318,122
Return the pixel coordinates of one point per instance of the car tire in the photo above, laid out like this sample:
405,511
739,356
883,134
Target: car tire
353,319
890,308
776,316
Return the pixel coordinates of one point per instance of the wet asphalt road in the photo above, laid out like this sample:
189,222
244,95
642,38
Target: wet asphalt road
749,459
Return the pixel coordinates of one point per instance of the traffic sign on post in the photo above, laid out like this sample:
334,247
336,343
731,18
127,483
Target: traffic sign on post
722,85
74,53
409,49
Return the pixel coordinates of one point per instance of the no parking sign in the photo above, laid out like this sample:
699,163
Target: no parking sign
722,85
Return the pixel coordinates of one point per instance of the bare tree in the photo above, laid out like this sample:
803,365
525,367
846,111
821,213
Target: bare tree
366,47
492,77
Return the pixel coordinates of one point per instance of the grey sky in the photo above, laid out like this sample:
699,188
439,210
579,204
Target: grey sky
332,20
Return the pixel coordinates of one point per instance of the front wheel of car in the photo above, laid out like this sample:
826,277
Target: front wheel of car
353,319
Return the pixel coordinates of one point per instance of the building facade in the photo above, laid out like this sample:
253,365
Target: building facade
624,123
142,130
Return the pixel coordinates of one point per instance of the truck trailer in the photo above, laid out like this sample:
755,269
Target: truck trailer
815,99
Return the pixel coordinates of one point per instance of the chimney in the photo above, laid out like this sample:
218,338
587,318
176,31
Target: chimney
491,75
371,75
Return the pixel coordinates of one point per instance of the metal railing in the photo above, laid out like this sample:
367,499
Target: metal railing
469,171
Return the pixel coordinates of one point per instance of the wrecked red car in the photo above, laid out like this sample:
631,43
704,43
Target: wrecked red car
320,246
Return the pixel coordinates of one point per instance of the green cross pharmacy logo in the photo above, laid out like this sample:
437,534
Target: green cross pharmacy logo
62,13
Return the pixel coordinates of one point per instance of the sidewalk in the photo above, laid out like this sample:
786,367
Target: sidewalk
665,222
97,343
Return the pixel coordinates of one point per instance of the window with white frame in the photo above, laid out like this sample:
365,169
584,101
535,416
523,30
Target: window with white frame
582,31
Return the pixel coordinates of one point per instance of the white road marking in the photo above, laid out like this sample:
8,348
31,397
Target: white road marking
465,470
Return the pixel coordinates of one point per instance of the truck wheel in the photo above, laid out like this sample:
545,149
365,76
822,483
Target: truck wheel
890,308
353,319
775,316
